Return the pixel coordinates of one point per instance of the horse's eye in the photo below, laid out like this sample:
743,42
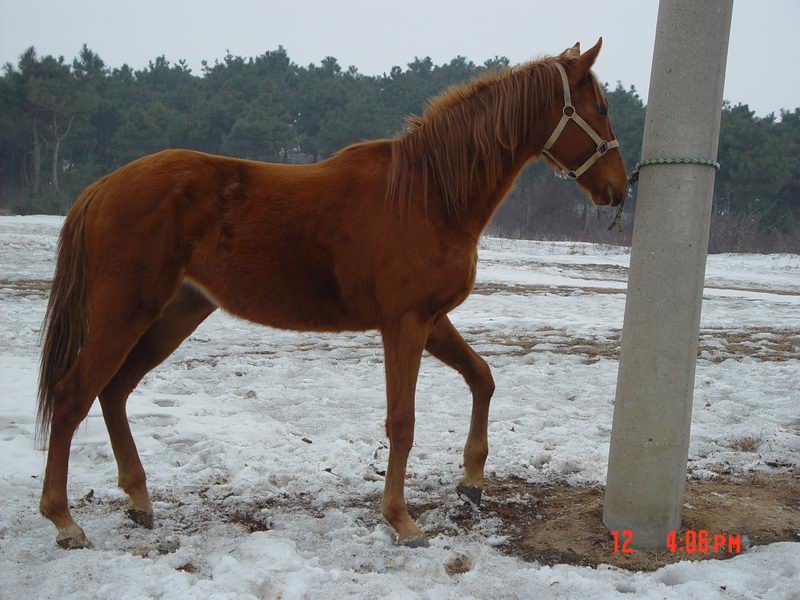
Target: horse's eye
602,111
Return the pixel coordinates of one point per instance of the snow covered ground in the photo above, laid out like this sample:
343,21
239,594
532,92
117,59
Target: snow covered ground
264,449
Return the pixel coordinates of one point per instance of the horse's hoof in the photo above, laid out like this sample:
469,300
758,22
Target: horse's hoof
141,517
419,541
73,538
469,493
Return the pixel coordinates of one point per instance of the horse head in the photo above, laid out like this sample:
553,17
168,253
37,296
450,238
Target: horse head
582,142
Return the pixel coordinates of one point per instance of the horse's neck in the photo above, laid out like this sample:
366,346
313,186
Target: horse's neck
490,187
489,191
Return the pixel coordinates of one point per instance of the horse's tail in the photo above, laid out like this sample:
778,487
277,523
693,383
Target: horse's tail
67,317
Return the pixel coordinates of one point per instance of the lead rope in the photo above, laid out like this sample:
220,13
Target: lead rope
658,161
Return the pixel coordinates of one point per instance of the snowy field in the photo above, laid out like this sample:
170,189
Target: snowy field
265,449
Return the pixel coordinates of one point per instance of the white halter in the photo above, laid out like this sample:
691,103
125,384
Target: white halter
568,113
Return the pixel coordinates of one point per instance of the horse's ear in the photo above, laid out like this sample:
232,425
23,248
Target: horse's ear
583,63
573,52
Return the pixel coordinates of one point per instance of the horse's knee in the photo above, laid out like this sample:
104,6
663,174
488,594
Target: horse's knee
482,383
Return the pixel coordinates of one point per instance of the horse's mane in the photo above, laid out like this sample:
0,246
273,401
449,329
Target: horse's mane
466,128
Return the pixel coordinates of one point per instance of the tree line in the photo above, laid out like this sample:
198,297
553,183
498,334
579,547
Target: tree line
64,124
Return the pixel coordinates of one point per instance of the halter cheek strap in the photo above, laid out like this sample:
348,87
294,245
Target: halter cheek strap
568,113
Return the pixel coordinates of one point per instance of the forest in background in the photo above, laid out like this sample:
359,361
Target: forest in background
64,124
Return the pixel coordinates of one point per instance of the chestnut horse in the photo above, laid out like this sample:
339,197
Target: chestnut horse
383,235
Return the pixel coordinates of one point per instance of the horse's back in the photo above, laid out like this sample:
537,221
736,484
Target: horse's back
279,244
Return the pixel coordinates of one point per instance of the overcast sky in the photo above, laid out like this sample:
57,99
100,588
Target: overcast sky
375,35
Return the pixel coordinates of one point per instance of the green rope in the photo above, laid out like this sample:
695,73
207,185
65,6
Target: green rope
670,161
659,161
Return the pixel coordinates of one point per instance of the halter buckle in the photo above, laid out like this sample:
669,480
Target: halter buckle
602,148
568,111
572,175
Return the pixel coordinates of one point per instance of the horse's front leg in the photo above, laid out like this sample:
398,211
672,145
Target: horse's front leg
403,342
445,343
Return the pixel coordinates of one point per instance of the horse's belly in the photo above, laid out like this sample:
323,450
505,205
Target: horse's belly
302,304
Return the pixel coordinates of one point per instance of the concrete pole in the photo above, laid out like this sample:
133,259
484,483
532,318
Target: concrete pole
653,408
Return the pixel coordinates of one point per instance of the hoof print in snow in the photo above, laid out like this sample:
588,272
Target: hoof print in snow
459,565
144,518
168,546
470,494
419,541
187,568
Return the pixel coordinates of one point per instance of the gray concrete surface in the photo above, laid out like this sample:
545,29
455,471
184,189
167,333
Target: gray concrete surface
653,407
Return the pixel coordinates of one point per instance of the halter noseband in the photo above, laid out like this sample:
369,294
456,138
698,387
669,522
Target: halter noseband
568,113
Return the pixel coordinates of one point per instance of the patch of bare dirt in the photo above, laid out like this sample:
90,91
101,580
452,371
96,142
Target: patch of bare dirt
495,287
762,343
492,287
748,443
754,289
560,523
586,270
766,344
187,568
39,288
555,341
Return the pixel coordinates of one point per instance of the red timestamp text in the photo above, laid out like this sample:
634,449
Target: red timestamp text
689,541
622,541
700,541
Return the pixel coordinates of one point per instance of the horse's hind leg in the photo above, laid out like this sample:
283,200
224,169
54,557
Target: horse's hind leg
446,344
117,320
403,342
187,309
